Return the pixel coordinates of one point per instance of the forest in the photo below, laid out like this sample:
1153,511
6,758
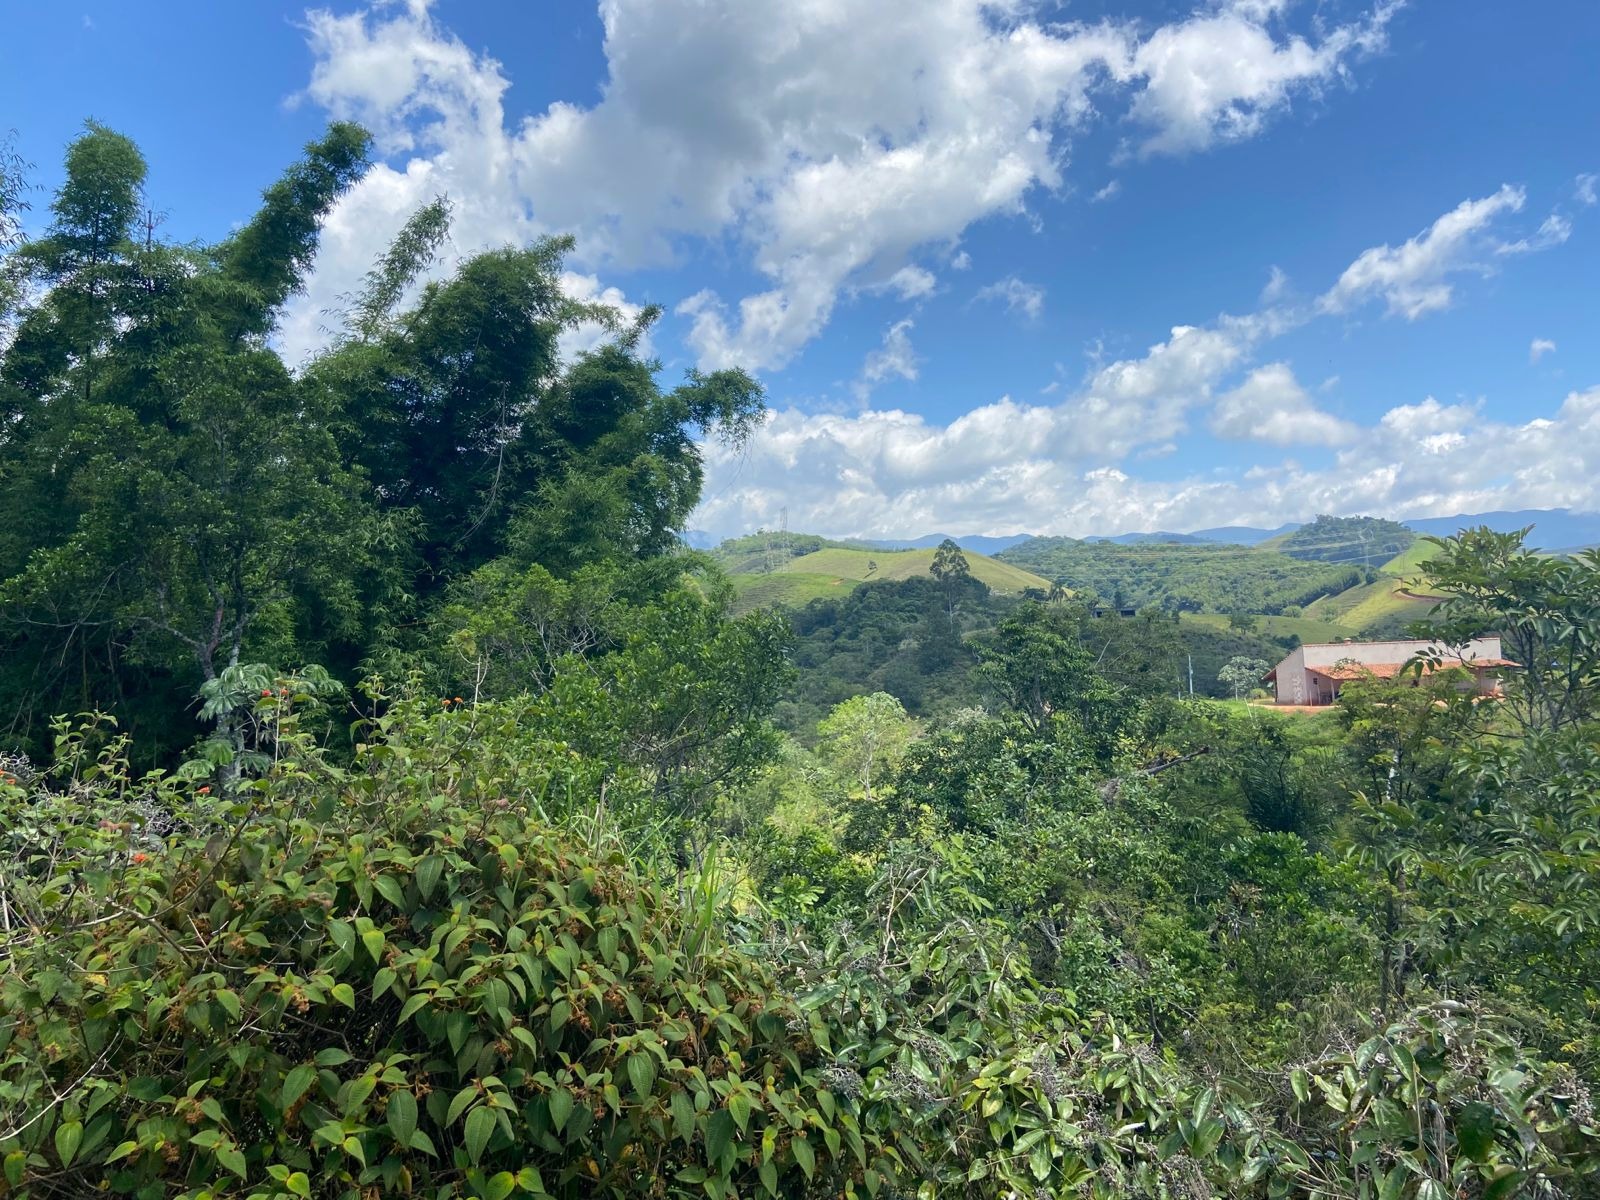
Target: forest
1185,577
393,804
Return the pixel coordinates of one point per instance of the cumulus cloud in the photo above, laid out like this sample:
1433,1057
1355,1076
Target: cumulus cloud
1539,347
1007,466
1105,193
724,120
1017,295
1271,406
991,471
1586,189
1220,75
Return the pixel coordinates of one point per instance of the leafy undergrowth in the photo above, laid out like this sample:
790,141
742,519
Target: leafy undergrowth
402,977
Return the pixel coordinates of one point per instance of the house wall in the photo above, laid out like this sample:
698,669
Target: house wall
1293,686
1299,680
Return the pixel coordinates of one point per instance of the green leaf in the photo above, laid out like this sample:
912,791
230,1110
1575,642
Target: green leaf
683,1114
804,1155
69,1136
1475,1129
295,1084
298,1184
561,1103
1301,1083
719,1135
739,1106
229,1001
428,872
344,994
389,888
1504,1185
16,1164
498,1187
642,1074
382,982
372,939
401,1114
343,937
481,1124
233,1158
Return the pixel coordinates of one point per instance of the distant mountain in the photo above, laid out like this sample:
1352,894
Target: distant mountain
1553,528
976,542
1243,535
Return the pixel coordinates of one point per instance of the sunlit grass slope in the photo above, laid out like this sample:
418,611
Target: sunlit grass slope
835,570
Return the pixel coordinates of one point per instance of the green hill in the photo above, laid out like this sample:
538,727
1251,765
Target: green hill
1369,540
836,569
1184,576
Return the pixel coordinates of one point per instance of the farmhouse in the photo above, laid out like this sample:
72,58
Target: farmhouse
1314,673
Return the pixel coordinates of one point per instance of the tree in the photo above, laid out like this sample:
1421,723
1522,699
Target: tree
176,497
1035,661
1241,674
952,572
1546,610
1242,621
865,736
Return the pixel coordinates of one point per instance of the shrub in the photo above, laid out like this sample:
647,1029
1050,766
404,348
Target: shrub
387,979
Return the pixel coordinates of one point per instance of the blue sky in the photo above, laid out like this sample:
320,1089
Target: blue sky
1073,268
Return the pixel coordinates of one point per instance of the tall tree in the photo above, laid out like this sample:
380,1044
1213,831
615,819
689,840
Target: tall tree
176,499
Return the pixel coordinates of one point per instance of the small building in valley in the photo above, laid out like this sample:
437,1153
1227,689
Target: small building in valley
1314,673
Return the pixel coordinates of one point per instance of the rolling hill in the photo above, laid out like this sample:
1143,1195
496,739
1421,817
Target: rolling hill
835,569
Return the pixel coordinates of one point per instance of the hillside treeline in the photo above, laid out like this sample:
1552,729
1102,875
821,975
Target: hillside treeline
391,806
1185,577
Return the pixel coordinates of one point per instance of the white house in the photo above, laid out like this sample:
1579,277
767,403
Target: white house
1314,673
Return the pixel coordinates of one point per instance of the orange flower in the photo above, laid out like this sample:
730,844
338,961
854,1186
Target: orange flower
205,791
141,857
266,691
459,700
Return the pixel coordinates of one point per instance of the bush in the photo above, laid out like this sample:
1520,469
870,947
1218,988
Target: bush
393,978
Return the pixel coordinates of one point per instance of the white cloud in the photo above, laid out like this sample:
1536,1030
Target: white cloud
1221,74
911,283
590,334
894,358
1584,189
1271,406
1554,230
1277,286
1053,468
1539,347
1016,295
1412,278
724,120
1105,193
961,262
991,471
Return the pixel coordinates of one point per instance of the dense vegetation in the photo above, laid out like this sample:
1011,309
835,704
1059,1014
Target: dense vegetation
1370,540
425,827
1184,577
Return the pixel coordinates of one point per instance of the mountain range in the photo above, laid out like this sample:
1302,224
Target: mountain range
1553,529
